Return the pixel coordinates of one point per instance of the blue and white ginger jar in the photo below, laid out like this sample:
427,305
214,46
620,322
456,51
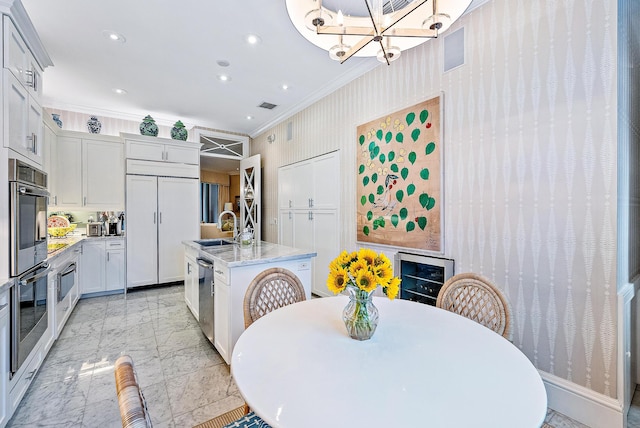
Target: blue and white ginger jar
93,125
149,127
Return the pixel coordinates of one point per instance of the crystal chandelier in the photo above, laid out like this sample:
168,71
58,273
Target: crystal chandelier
380,28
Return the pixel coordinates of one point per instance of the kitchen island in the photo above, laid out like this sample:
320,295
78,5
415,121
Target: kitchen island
234,267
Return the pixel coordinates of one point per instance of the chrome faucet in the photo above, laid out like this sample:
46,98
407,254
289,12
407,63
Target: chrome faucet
235,221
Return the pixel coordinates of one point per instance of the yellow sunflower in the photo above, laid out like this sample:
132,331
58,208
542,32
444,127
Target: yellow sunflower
367,254
357,266
337,280
393,288
366,281
383,273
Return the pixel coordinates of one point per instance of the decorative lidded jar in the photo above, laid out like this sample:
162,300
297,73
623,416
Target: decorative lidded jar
149,127
56,119
179,132
93,125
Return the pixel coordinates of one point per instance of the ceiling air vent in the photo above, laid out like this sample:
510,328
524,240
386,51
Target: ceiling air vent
268,106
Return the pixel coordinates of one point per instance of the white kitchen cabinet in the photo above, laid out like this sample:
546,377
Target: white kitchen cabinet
163,151
102,265
23,120
89,172
222,312
4,356
92,263
50,143
309,202
115,265
191,274
67,173
19,61
66,264
161,213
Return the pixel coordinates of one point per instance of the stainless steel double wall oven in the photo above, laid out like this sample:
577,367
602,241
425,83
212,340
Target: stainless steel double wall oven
28,199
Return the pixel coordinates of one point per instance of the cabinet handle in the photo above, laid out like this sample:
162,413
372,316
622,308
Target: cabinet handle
289,203
311,203
31,80
84,201
55,200
289,215
32,142
154,218
36,83
188,268
108,256
160,217
35,144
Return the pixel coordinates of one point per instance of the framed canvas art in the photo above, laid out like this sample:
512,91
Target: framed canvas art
399,185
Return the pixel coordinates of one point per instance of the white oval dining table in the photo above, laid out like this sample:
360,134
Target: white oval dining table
296,367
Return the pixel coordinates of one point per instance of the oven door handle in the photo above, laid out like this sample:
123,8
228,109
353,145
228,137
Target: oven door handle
26,190
36,276
70,269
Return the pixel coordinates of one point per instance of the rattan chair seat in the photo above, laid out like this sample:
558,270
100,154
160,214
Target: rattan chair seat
476,298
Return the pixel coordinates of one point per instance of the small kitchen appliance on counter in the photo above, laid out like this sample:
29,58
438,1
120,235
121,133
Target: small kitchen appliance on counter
94,229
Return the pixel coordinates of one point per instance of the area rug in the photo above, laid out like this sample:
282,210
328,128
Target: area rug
224,419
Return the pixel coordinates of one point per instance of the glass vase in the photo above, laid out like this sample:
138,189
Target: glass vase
360,316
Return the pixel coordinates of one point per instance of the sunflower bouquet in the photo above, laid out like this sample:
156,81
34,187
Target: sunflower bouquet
361,272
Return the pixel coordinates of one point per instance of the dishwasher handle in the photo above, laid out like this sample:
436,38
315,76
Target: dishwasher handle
204,263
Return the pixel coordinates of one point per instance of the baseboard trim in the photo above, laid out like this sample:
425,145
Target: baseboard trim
582,404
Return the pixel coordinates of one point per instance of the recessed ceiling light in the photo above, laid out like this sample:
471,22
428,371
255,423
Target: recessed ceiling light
112,35
249,117
223,63
252,39
223,78
120,91
285,86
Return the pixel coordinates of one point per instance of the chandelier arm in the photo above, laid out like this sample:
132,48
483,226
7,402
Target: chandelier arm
354,50
384,51
373,21
410,32
402,13
345,31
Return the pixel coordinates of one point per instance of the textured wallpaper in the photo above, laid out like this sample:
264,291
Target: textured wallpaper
529,171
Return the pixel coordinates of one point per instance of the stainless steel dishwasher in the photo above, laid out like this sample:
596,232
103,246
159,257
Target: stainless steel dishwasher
206,290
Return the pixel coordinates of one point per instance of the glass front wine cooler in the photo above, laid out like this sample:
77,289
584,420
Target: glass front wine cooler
422,276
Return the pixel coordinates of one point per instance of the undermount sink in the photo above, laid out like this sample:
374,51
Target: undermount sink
213,242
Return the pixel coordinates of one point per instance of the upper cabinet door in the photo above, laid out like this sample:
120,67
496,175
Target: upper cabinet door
16,111
103,174
68,176
326,181
16,54
145,151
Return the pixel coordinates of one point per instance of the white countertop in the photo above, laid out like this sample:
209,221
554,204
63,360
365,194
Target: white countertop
234,255
297,367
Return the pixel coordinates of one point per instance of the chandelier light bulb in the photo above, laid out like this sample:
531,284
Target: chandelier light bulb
338,51
340,18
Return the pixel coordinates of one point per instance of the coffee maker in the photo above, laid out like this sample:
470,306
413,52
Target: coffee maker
114,224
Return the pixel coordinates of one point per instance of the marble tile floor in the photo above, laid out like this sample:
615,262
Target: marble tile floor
183,378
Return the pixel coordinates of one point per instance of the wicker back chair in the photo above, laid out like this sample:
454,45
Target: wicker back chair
133,406
476,298
270,290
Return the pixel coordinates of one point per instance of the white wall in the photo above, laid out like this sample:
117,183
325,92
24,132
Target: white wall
530,167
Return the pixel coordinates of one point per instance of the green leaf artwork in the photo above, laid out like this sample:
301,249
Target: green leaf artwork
369,215
361,169
410,118
410,226
382,158
424,173
375,152
399,195
415,134
399,137
423,116
411,188
431,203
412,157
430,148
394,167
361,139
379,134
380,190
388,136
422,222
404,173
372,198
391,156
365,230
403,213
363,200
365,180
372,145
424,199
394,220
374,177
